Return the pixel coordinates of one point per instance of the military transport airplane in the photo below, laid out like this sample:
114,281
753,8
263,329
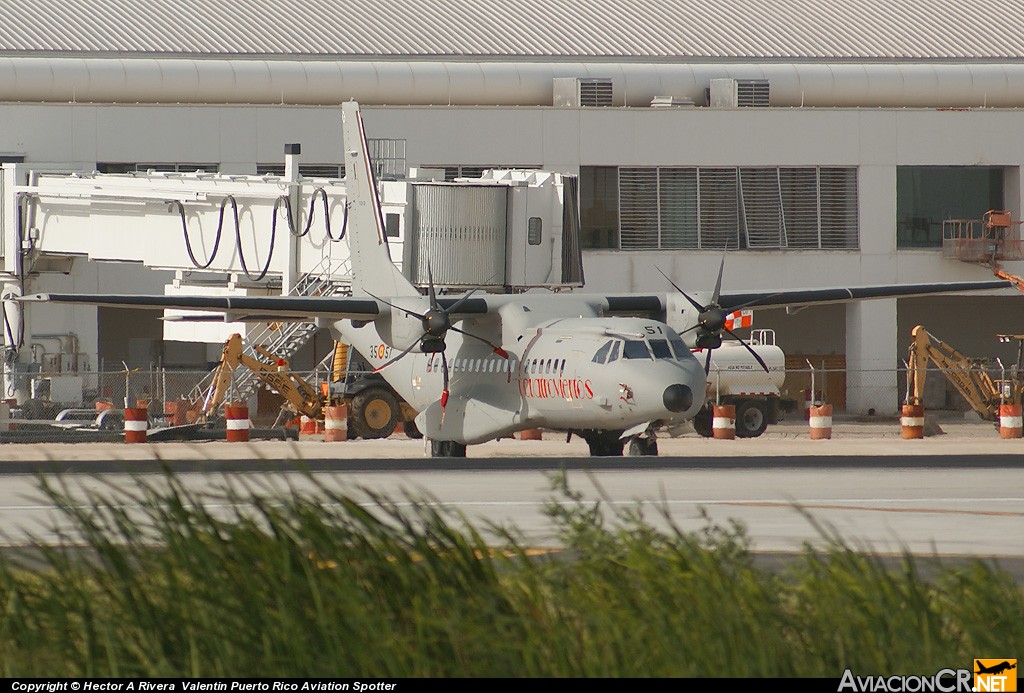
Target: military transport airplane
480,367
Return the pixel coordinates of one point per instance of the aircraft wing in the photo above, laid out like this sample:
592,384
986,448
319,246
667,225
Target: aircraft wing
803,297
238,307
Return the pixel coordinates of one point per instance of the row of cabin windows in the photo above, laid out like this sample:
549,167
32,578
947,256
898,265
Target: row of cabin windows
497,365
639,349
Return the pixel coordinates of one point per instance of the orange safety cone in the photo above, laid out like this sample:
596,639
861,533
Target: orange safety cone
136,421
1010,422
820,420
238,424
335,423
912,421
723,421
531,434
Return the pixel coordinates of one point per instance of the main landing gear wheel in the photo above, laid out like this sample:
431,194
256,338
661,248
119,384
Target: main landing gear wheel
702,423
643,446
374,413
751,419
447,448
604,443
411,430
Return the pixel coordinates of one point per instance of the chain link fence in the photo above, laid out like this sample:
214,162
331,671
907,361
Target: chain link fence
90,406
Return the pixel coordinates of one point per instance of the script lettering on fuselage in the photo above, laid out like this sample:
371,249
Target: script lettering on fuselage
530,386
552,388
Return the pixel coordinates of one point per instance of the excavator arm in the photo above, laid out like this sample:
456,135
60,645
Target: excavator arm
299,394
973,383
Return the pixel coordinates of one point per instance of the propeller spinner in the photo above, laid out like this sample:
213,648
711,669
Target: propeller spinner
436,322
711,321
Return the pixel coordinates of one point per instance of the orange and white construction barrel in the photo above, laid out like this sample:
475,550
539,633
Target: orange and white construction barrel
820,420
723,421
1010,421
335,423
912,421
237,419
136,422
310,427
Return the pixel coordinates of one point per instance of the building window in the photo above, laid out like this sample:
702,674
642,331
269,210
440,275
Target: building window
453,171
928,195
599,207
122,167
305,170
643,208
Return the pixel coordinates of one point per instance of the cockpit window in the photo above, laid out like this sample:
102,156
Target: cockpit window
635,349
602,353
661,350
613,355
679,347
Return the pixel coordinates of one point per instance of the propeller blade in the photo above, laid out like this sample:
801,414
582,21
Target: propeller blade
718,284
430,287
707,363
444,389
497,349
753,301
454,307
750,349
685,295
404,352
690,329
404,310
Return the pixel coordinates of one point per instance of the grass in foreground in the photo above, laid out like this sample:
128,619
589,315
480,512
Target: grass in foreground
295,584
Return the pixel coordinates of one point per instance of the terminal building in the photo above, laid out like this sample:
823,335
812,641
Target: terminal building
810,144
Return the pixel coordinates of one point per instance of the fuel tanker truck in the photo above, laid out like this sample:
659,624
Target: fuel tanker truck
735,377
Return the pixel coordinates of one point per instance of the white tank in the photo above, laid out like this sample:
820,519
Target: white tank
734,371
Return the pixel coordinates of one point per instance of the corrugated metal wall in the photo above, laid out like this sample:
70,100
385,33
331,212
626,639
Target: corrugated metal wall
460,232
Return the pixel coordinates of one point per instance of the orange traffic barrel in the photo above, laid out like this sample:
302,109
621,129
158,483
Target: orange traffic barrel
912,421
335,423
820,419
723,421
531,434
237,419
136,421
309,426
1010,422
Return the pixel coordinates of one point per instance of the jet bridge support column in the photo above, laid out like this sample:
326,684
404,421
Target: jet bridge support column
291,173
871,348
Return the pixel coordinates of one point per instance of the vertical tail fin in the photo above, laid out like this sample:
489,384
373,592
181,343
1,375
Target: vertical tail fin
372,268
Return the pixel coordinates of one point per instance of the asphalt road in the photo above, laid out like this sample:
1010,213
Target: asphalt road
956,495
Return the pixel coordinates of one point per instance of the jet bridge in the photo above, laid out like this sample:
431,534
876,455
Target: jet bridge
246,234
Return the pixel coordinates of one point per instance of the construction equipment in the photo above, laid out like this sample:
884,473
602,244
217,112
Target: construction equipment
374,409
983,393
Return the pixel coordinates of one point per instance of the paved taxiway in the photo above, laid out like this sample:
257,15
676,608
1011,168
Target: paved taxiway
957,494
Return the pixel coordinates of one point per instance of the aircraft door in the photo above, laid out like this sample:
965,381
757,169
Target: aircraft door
574,373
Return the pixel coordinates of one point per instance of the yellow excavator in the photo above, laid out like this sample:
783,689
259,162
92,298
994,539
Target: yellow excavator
374,408
983,393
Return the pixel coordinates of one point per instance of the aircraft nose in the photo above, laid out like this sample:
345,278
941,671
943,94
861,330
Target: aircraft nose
678,398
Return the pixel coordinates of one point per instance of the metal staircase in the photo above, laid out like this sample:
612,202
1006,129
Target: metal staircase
283,339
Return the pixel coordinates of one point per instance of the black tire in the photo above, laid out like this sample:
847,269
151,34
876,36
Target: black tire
702,423
447,448
411,430
604,443
374,414
751,418
643,447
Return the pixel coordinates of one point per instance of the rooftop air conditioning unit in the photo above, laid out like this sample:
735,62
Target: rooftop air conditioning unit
573,92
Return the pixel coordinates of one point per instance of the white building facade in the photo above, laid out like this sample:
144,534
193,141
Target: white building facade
823,150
